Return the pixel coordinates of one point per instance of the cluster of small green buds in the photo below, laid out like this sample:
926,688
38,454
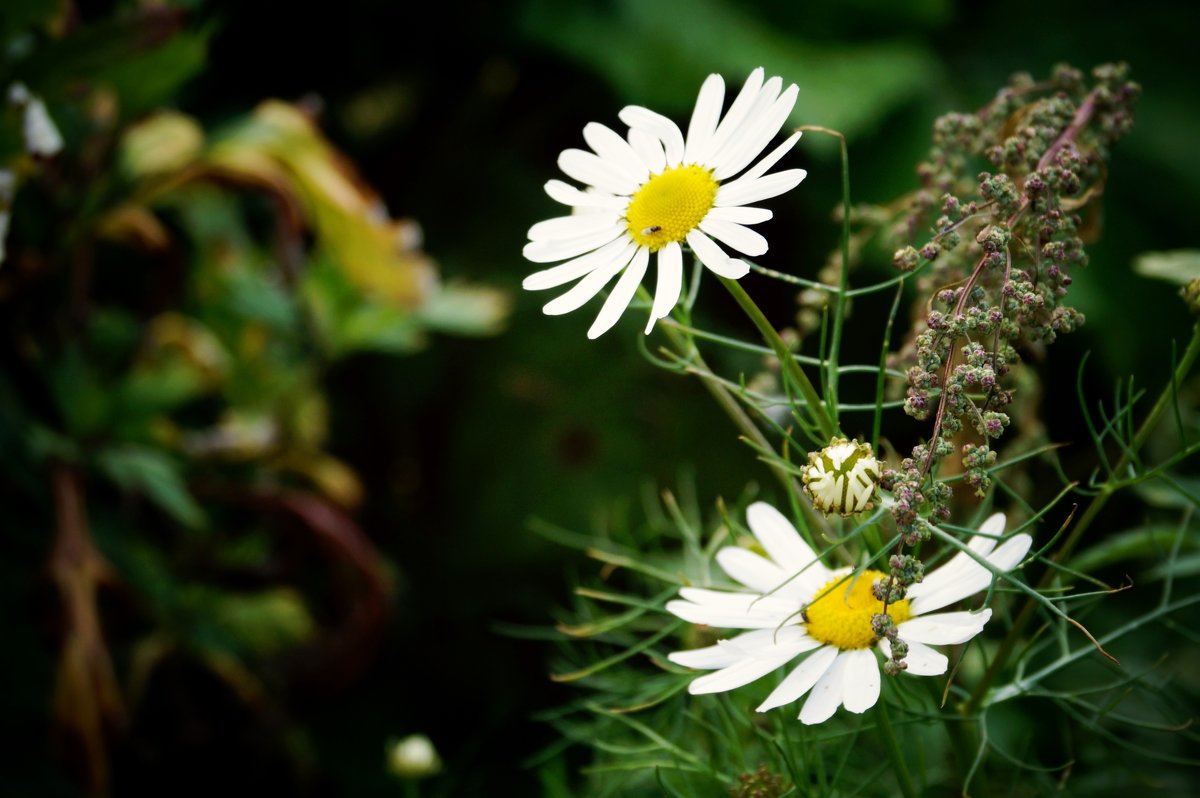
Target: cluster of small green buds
842,477
762,783
1191,295
905,571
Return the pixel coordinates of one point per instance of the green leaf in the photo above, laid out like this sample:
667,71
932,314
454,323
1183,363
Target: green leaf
82,401
145,58
1147,542
263,622
1179,266
667,47
465,309
144,470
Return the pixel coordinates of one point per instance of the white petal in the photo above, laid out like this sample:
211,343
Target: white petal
562,249
567,227
993,526
861,688
753,571
764,643
621,294
615,151
748,645
754,612
648,148
800,680
826,694
670,283
573,269
714,258
767,161
708,658
751,125
921,660
944,628
969,577
589,168
733,117
736,675
591,284
743,239
946,574
660,126
766,127
785,546
739,214
704,117
567,194
744,191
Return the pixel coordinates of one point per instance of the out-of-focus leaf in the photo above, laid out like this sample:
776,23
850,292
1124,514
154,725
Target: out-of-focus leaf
146,392
466,309
237,436
1177,266
144,58
180,360
333,478
253,295
279,146
1178,568
165,142
263,622
668,47
350,322
378,328
82,401
134,226
1148,542
1160,494
21,16
149,471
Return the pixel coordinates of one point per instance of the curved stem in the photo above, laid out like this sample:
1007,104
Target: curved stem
812,401
899,766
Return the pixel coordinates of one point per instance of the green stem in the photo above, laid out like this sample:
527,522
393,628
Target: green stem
812,401
1093,510
899,766
686,348
839,298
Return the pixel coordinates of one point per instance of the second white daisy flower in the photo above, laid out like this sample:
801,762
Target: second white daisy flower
796,606
652,192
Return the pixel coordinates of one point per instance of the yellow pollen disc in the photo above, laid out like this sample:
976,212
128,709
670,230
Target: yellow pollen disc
841,614
670,205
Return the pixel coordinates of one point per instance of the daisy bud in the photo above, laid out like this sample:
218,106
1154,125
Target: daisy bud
842,477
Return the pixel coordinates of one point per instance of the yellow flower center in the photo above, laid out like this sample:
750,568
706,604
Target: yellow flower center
670,205
841,614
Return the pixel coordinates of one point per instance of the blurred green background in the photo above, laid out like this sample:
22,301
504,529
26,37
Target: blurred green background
454,114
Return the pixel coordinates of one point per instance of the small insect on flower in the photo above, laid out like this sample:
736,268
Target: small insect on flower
842,477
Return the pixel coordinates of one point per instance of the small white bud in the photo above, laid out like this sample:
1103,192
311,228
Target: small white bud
842,477
414,757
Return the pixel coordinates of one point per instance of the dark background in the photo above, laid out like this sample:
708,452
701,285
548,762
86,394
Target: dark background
455,112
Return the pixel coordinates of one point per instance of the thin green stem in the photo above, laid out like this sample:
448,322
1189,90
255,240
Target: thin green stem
686,348
899,766
1165,400
839,297
812,401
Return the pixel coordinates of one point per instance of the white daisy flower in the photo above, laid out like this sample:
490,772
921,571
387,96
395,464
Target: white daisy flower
652,192
795,605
